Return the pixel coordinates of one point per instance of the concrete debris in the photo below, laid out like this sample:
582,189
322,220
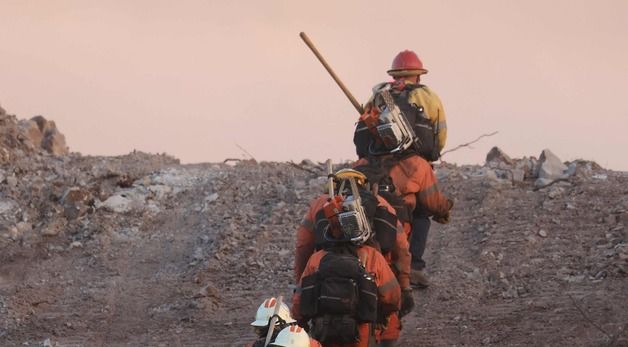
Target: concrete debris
518,175
550,168
118,203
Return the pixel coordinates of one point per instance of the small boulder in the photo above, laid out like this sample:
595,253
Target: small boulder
39,133
54,142
117,203
550,168
496,156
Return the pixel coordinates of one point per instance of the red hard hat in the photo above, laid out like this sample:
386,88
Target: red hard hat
406,63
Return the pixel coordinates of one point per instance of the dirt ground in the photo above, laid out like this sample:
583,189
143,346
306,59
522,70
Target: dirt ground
185,253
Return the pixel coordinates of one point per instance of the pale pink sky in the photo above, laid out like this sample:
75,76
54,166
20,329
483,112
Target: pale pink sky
193,78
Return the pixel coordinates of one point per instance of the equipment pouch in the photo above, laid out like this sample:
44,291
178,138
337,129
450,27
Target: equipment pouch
330,329
338,296
367,304
309,295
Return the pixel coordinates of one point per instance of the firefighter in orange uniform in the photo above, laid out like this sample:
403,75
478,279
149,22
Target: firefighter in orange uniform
326,296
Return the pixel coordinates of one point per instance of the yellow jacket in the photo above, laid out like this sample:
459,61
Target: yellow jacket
434,110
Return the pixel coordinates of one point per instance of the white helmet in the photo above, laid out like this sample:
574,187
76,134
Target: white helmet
292,336
266,311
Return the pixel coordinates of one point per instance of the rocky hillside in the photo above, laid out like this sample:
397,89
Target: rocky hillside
141,250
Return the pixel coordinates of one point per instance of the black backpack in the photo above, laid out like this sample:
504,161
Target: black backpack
427,135
338,297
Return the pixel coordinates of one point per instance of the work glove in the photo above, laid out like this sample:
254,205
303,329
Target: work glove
442,219
382,322
407,302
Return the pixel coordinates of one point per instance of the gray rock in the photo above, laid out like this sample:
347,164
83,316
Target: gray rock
23,227
491,175
550,168
517,175
161,191
54,228
211,197
7,207
76,202
14,233
496,156
39,133
31,134
542,233
528,165
117,203
54,142
12,181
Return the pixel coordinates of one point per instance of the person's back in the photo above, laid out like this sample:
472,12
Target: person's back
387,289
418,103
348,286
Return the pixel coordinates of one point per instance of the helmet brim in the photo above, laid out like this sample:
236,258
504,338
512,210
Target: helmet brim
406,73
260,323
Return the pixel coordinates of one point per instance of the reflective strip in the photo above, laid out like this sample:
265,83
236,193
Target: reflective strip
428,191
388,286
441,125
357,130
307,224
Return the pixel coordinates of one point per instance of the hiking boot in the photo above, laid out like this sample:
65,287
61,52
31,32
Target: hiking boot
418,278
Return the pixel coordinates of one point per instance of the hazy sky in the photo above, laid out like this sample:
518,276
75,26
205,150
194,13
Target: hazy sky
195,78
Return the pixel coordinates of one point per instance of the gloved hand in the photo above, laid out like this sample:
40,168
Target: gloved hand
382,323
442,219
407,302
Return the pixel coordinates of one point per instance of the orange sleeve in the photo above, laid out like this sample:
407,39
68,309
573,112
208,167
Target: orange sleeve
414,178
401,258
305,240
388,290
429,196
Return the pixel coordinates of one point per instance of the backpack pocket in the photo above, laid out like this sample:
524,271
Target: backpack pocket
338,296
331,329
309,295
367,306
